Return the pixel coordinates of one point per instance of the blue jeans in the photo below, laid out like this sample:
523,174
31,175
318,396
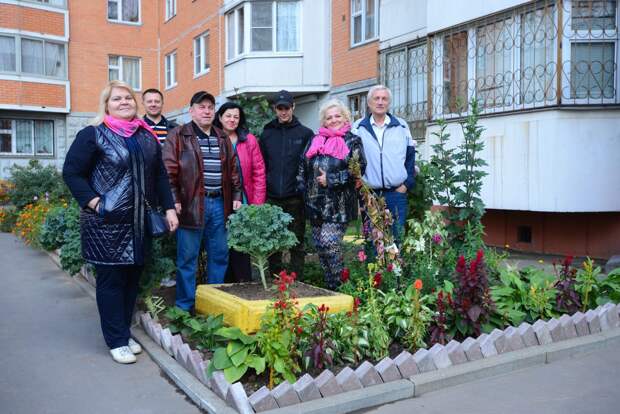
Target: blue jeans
397,204
188,248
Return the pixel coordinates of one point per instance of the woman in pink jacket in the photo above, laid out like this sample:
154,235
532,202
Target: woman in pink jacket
231,119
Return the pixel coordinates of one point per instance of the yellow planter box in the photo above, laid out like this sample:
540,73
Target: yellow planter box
246,314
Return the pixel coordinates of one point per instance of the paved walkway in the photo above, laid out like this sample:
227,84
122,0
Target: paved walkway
588,384
52,355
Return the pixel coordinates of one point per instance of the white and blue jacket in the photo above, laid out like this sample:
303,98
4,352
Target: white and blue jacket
393,163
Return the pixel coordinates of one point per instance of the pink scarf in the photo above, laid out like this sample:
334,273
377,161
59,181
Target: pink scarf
330,142
126,128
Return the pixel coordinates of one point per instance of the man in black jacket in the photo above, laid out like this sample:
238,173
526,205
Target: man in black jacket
282,143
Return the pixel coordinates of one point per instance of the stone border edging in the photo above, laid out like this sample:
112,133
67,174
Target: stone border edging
389,380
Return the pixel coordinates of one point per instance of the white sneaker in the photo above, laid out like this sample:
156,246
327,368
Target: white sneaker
123,355
168,282
134,347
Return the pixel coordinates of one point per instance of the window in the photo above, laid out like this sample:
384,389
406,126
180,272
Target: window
26,137
126,69
364,20
8,62
201,54
32,57
455,72
125,11
171,69
593,50
171,9
273,26
57,3
357,105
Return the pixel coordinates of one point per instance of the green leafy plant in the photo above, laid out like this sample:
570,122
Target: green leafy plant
345,332
154,306
8,218
420,198
239,355
33,182
51,236
260,231
373,331
71,250
443,179
595,289
160,263
257,110
200,329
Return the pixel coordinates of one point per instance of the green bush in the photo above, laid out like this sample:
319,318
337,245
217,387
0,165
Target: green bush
71,259
8,218
52,232
420,199
35,181
159,264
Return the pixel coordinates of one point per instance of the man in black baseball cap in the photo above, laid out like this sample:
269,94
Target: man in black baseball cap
282,143
206,188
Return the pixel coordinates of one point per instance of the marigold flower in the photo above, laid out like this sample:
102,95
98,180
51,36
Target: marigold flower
418,284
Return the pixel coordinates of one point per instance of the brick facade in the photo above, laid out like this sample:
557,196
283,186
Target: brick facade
32,20
32,94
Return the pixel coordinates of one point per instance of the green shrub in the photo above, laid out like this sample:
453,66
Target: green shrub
35,181
51,236
159,264
8,218
71,259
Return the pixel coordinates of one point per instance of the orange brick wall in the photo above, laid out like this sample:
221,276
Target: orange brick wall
350,64
192,19
31,93
32,20
93,38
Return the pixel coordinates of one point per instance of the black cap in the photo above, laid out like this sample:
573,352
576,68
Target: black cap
201,96
284,98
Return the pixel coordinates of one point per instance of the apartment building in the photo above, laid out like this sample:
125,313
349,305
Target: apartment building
544,71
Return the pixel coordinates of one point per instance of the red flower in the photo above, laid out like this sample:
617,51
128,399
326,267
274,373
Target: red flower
390,267
282,273
356,304
418,284
282,287
293,276
344,275
376,281
299,330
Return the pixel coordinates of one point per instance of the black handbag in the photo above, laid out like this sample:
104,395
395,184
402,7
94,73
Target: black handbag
156,223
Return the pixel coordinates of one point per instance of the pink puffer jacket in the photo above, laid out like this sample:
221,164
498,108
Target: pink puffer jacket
252,169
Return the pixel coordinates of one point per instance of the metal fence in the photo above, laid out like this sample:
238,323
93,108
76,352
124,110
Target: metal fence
545,53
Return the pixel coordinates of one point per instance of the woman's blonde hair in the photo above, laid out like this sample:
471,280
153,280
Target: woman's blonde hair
105,96
334,103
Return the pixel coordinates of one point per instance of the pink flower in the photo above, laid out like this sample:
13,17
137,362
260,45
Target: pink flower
437,238
361,256
390,267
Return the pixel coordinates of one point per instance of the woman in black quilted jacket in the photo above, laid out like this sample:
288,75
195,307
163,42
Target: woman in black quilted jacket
328,187
113,168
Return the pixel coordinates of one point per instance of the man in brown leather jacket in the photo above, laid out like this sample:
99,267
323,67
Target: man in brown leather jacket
205,184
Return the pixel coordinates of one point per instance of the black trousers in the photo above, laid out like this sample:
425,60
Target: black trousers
296,208
239,267
117,290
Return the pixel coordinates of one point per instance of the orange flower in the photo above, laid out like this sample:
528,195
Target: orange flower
417,284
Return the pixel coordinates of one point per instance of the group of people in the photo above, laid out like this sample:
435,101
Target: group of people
199,173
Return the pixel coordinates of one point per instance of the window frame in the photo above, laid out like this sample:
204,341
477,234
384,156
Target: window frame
18,56
170,66
363,13
119,12
199,43
119,67
170,9
47,3
14,153
360,98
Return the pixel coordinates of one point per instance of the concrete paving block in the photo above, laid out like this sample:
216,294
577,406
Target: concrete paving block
387,370
612,263
327,384
603,318
513,339
145,317
542,332
195,361
440,356
406,364
568,327
203,367
581,324
367,374
306,388
238,399
487,345
176,343
456,352
166,341
555,330
262,400
527,334
424,360
594,322
472,349
219,385
499,340
156,333
347,380
183,356
285,394
612,315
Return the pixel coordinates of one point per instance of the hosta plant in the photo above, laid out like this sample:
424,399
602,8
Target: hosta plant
239,355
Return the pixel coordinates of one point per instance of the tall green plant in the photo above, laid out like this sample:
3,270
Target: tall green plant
443,179
257,111
71,250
